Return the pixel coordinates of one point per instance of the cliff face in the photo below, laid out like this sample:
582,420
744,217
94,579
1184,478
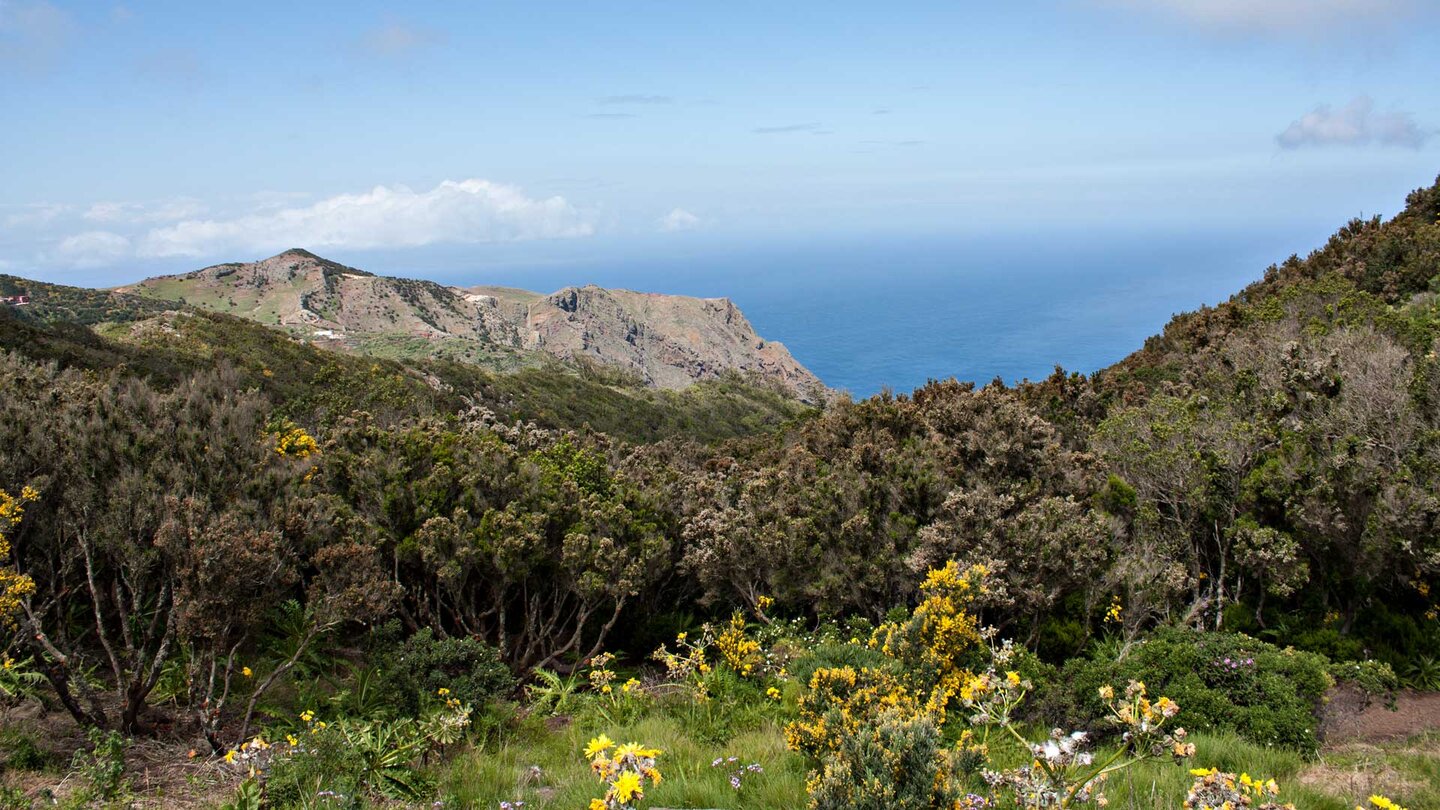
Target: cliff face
670,341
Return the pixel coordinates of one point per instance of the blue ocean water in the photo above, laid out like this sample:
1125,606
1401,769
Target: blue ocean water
886,312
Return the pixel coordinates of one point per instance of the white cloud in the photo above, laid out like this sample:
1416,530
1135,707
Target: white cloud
1271,15
1355,124
678,220
92,249
465,211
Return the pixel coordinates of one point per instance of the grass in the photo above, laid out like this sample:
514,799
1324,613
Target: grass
508,771
1408,772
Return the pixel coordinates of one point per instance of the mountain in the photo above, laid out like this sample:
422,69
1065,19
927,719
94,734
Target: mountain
667,341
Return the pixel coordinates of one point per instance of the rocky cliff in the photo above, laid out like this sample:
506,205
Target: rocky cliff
669,341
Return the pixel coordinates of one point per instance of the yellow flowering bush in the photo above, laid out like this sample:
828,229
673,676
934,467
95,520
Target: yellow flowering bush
1115,612
616,705
14,586
737,650
602,678
625,770
688,659
296,443
731,647
840,702
938,635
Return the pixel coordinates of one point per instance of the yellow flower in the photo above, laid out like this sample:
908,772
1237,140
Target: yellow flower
598,745
307,715
246,672
773,693
627,787
229,756
1202,771
597,804
290,738
1013,678
442,691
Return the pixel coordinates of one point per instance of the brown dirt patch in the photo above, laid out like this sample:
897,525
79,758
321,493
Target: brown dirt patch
159,770
1365,778
1350,716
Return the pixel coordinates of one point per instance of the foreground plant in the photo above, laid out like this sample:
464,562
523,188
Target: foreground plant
624,769
324,763
1217,790
738,772
1064,772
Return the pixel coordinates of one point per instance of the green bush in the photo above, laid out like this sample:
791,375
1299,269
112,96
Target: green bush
1375,677
1222,681
323,772
423,664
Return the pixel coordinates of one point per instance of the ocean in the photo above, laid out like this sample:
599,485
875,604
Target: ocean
871,313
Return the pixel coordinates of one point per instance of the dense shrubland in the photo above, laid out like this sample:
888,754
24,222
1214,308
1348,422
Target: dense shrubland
215,532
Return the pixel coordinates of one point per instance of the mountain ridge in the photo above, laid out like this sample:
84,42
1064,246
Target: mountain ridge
668,341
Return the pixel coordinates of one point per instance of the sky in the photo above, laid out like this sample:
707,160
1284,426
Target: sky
150,137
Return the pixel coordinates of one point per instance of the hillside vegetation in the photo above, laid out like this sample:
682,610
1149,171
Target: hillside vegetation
427,578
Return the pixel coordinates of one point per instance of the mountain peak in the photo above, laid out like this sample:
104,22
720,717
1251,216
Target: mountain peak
305,257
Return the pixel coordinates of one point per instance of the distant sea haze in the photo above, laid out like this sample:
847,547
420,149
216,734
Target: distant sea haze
879,313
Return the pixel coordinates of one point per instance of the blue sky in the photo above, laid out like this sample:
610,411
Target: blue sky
139,138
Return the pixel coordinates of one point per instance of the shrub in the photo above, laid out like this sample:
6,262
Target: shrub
1374,677
471,669
898,761
1225,681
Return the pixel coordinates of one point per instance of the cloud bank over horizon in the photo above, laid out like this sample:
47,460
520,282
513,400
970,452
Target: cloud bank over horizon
468,211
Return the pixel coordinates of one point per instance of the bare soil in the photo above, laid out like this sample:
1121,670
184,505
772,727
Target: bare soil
1350,716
